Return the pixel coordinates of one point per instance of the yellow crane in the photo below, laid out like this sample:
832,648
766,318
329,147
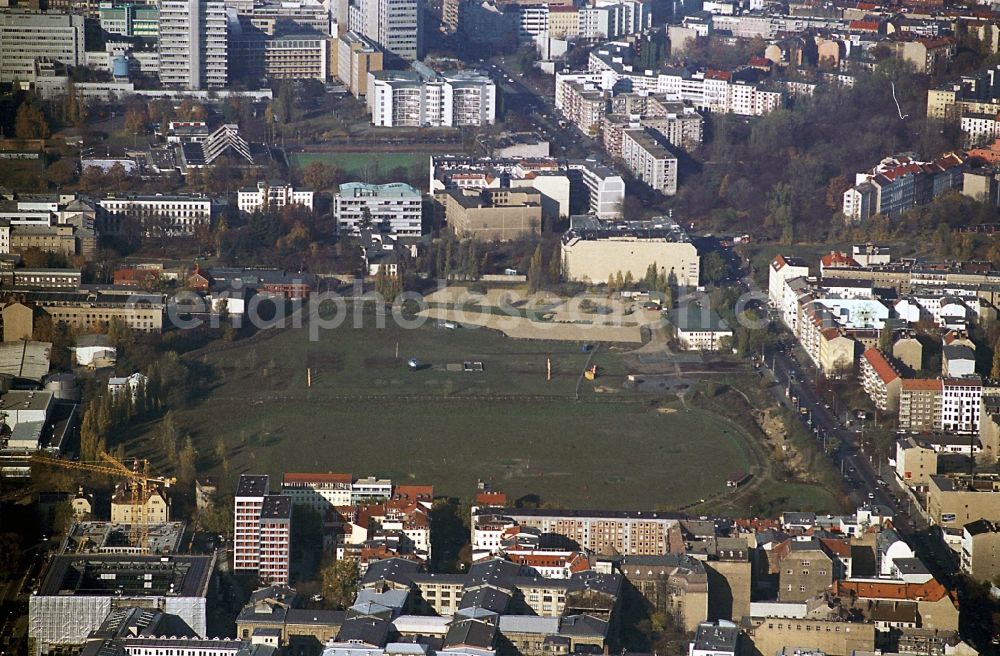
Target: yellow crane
141,485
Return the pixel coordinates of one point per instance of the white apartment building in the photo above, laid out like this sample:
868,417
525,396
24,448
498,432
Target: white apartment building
192,44
605,188
370,488
248,502
319,492
609,64
273,195
161,646
606,20
26,36
395,25
783,268
960,400
650,161
394,208
426,99
174,215
532,20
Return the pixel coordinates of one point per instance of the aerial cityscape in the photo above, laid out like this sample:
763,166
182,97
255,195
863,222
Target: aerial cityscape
499,327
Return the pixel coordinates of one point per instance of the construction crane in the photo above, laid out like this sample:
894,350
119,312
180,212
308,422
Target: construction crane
138,480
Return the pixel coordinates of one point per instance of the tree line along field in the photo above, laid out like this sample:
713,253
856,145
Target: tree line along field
572,442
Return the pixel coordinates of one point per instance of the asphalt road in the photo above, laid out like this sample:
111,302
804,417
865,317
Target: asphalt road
794,376
538,106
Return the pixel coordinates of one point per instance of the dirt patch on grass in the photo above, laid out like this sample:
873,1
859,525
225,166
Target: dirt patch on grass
772,424
330,361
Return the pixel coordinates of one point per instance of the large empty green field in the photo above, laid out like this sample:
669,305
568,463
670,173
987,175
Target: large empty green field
375,165
570,441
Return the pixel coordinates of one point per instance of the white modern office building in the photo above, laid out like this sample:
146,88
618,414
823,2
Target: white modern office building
192,44
394,208
26,36
395,25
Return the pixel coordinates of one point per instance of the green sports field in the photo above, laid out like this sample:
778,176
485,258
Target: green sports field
375,165
570,441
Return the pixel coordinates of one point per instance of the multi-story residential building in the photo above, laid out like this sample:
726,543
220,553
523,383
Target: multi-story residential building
584,105
593,250
493,214
88,310
960,401
193,44
955,500
650,161
784,268
319,492
605,188
614,62
627,532
357,56
156,508
880,380
275,540
248,503
394,208
604,20
395,25
564,21
770,635
675,584
981,550
271,196
47,278
989,426
806,571
920,405
935,606
128,19
916,462
297,57
422,98
899,184
172,215
27,36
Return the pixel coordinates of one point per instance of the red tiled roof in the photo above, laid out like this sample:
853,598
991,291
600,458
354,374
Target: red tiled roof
491,499
864,25
836,258
415,492
918,384
931,591
882,367
838,547
711,74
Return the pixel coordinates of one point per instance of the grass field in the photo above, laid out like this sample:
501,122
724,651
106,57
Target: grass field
367,413
375,165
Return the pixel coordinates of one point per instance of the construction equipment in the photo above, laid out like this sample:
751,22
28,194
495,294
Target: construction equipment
141,485
591,373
